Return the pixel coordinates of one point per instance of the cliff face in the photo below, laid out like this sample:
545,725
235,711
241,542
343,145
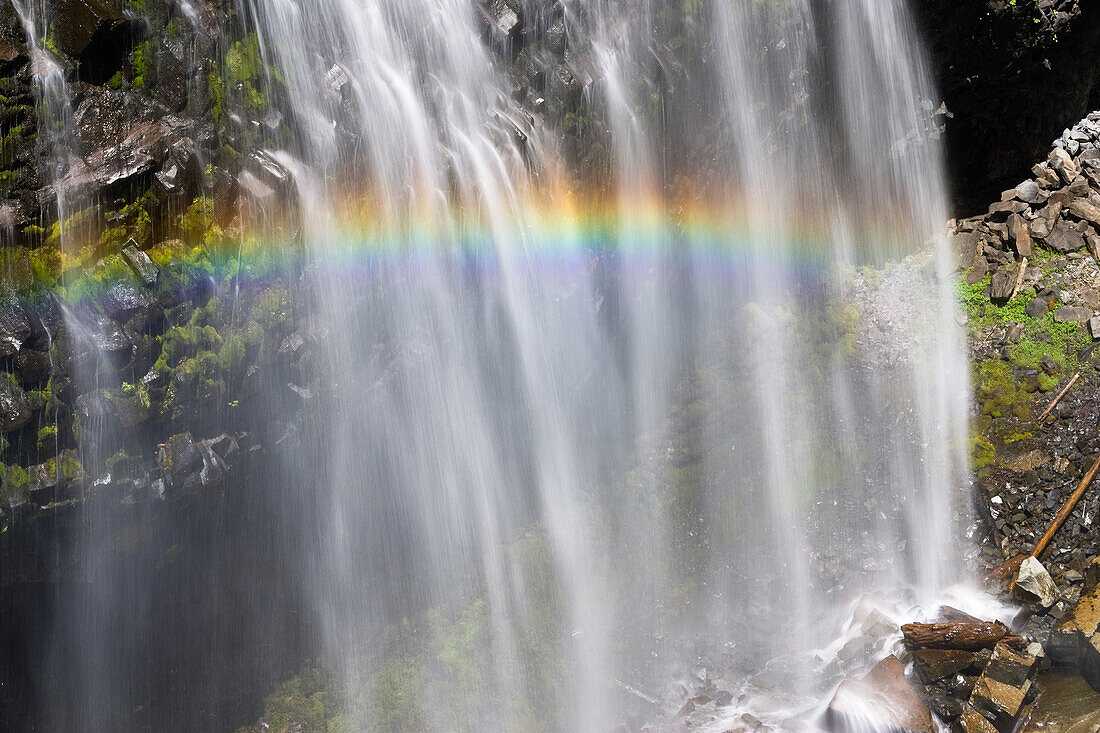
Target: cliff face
1014,75
154,397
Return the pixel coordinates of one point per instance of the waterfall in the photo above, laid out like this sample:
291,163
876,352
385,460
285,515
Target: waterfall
587,423
515,353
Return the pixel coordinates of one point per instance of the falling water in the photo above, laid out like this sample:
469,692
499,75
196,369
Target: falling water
584,430
660,410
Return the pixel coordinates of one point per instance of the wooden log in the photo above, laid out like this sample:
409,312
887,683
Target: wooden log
1066,509
963,635
1058,397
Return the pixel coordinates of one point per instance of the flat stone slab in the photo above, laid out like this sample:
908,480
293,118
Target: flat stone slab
1000,691
882,701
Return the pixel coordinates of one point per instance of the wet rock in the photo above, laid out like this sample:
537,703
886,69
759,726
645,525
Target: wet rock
971,721
936,664
32,365
1066,705
500,16
1034,584
79,23
177,457
15,328
878,625
214,469
1001,689
144,267
881,700
94,335
16,408
123,301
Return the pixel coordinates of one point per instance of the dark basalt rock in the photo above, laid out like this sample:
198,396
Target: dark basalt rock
1010,72
81,24
123,301
1065,238
15,328
16,408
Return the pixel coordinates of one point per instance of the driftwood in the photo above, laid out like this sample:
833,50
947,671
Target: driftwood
1066,509
1058,397
1010,568
964,635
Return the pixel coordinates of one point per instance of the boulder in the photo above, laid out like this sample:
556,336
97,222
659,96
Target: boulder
937,664
177,457
1020,235
1028,192
15,328
1074,640
1001,210
1002,284
80,22
1039,306
144,267
1094,327
124,300
1064,238
1034,584
16,408
1084,209
1001,690
971,721
881,700
32,365
1072,314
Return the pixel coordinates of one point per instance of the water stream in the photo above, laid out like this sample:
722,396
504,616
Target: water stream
579,439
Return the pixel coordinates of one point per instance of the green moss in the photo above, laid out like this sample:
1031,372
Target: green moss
47,438
273,309
140,60
397,697
982,452
231,356
305,704
139,390
198,225
999,392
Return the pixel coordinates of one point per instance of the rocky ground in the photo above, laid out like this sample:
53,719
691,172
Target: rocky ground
1030,283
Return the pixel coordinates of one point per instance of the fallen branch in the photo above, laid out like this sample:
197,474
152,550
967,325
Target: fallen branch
1010,568
1058,397
1066,509
1019,279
